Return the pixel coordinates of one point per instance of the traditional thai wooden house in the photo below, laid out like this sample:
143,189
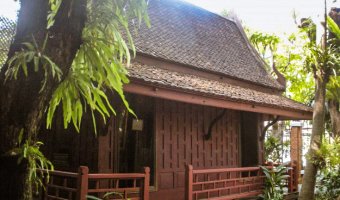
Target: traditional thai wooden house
201,94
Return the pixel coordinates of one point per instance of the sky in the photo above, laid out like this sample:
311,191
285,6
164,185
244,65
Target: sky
8,8
272,16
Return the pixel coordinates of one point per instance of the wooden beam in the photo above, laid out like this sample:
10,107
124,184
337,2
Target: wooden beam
211,101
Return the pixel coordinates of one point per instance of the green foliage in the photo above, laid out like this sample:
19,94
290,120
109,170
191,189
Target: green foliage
288,54
309,28
328,185
32,53
264,42
321,60
274,182
54,7
30,151
273,149
333,88
328,156
99,66
328,159
290,60
333,27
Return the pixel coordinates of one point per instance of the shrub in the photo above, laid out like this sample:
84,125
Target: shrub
274,182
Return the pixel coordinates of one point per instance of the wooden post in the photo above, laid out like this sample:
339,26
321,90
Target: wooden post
188,182
296,146
293,177
146,183
83,179
290,178
296,174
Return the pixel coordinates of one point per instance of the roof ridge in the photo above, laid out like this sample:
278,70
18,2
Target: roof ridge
205,10
254,51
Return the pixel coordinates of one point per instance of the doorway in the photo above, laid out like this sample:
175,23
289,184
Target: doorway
136,136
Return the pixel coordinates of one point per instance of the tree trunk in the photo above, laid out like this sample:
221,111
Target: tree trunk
22,106
308,182
335,116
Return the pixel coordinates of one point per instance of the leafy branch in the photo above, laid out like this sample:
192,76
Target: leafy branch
32,53
54,7
99,65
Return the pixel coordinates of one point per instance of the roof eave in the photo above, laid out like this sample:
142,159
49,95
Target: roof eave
142,88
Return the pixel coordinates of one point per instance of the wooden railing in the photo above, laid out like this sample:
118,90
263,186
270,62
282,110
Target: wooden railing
226,183
78,186
230,183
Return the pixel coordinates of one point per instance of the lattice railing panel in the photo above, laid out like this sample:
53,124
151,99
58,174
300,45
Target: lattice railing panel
226,183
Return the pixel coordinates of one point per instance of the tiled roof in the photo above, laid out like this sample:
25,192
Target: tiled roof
191,83
183,33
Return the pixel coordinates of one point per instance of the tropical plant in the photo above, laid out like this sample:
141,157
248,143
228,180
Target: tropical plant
328,155
274,182
321,60
99,63
273,149
29,151
31,52
328,179
328,185
333,87
333,27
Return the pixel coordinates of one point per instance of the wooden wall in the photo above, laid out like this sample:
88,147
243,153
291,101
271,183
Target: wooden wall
68,149
108,149
177,140
180,128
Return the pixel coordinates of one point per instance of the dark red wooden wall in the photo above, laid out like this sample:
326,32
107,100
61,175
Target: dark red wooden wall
68,149
178,139
180,128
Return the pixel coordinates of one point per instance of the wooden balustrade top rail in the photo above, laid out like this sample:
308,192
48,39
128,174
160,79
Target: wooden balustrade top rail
221,170
116,175
61,173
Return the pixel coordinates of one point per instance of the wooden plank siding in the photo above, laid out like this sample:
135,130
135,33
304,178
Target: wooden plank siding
180,128
68,149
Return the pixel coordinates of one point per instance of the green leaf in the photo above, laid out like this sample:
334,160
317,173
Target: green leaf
333,27
99,65
20,137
